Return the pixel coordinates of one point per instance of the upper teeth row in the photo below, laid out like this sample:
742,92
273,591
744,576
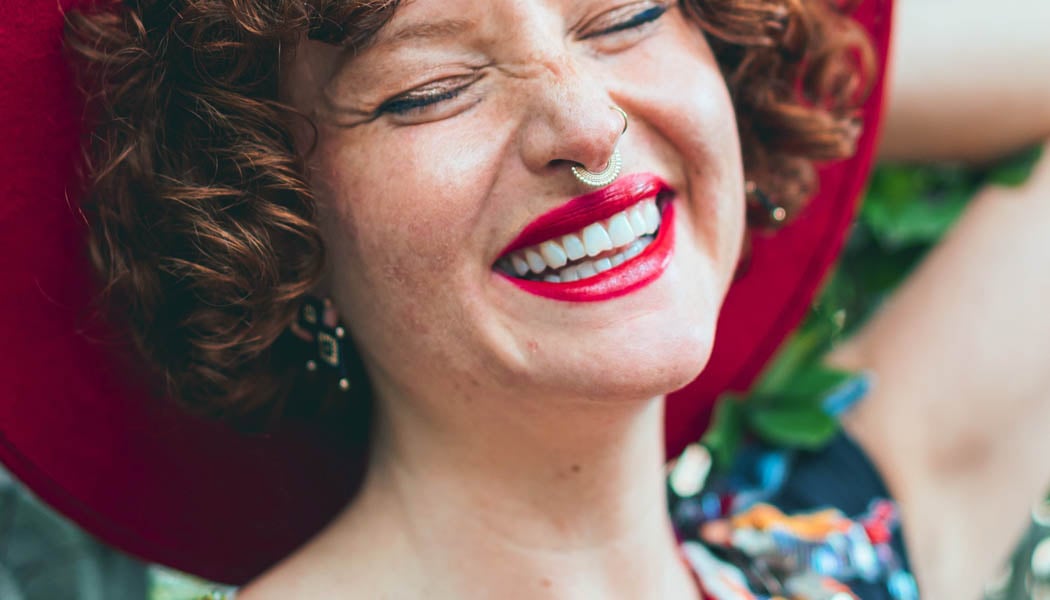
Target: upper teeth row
618,231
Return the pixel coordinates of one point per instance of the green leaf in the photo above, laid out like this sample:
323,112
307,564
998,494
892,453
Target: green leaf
1015,170
803,347
783,401
724,435
916,219
796,428
794,416
817,380
796,370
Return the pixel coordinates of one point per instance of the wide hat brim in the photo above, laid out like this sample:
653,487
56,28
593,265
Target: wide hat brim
79,427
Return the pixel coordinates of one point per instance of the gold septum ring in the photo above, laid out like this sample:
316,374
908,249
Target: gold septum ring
612,168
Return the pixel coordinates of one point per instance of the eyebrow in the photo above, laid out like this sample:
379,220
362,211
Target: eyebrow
427,30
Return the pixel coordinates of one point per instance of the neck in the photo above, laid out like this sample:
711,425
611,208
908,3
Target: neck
565,505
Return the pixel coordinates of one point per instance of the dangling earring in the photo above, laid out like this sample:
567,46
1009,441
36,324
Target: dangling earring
777,214
319,323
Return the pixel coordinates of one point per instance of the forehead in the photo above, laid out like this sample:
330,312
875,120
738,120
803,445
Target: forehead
443,28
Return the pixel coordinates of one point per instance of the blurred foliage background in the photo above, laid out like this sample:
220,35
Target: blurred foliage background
906,211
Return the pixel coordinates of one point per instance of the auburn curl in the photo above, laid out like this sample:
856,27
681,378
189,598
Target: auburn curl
203,229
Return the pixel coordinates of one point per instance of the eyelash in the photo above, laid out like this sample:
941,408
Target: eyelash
406,105
638,20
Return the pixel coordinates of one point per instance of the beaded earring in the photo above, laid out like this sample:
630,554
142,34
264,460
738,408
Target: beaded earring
777,214
319,322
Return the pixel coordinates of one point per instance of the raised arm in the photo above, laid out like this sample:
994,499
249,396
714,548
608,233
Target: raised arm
959,419
970,79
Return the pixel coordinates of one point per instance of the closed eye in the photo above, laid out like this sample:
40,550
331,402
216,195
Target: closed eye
407,104
419,101
625,19
635,20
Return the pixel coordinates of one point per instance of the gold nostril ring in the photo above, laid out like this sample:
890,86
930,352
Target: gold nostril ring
622,114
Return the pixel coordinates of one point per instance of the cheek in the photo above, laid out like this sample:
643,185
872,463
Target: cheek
401,233
368,255
688,106
389,213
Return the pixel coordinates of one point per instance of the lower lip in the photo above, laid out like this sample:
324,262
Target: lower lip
618,281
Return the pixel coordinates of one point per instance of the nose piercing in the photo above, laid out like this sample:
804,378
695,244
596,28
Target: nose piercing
605,176
622,114
612,168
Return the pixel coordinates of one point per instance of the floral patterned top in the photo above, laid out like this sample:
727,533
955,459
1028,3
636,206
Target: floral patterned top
792,524
742,546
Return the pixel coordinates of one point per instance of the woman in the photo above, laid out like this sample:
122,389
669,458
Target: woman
511,451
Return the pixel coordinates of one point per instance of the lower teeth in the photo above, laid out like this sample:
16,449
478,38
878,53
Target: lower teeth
590,268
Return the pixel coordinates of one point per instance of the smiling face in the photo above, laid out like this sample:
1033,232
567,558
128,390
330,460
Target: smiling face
442,164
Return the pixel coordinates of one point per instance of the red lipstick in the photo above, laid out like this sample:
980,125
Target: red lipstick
584,210
580,212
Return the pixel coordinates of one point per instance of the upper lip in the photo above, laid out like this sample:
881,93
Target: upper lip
584,210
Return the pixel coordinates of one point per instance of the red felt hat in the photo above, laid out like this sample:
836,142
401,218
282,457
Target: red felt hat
78,426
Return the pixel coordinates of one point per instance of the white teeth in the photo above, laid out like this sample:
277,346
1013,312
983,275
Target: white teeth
596,239
620,231
553,253
628,232
520,266
652,217
536,262
573,246
634,215
590,268
635,249
586,269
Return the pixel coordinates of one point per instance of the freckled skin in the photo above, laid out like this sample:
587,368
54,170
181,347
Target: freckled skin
414,216
517,441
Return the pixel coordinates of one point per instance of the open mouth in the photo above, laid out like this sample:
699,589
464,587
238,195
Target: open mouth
589,251
598,246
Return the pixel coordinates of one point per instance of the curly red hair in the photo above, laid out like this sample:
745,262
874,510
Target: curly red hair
203,226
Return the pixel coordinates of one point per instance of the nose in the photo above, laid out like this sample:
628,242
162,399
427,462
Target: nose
573,121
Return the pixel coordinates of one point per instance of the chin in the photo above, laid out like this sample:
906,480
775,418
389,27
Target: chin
647,370
649,344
